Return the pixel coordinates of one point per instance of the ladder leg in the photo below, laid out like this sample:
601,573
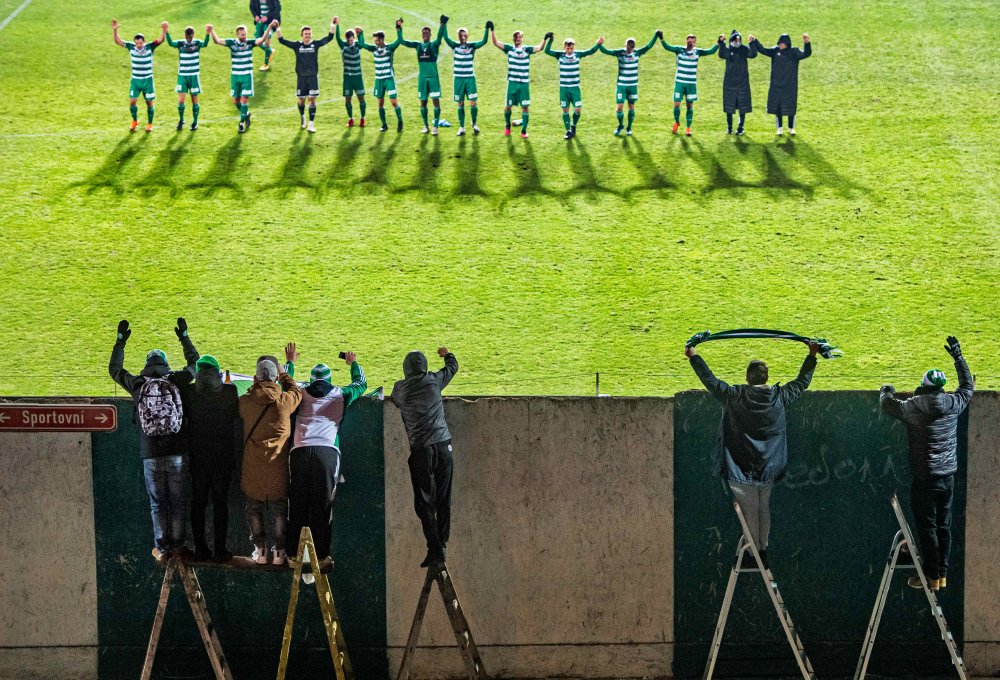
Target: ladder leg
331,624
293,600
880,599
196,598
727,600
161,608
418,619
460,626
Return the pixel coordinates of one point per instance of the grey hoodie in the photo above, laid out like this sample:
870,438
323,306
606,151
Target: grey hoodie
418,396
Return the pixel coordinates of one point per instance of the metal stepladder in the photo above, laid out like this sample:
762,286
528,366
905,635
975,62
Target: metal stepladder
463,634
334,634
746,544
196,599
904,537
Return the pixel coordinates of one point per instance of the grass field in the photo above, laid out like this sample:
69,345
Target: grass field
537,262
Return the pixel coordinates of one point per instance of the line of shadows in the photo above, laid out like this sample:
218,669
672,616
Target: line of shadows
425,178
110,174
161,175
339,172
293,172
220,175
467,161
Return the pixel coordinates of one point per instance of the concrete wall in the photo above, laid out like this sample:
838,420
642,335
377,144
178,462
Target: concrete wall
563,538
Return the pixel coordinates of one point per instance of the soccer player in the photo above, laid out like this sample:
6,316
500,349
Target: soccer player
306,69
518,81
241,76
736,83
428,81
385,77
354,83
569,80
189,72
265,12
686,80
465,75
627,90
783,93
141,54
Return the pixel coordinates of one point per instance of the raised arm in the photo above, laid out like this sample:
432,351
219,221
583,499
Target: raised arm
440,35
401,41
482,43
287,43
171,41
327,38
500,46
116,366
340,43
676,49
592,50
447,39
711,50
808,49
191,355
719,389
751,50
613,53
966,383
766,51
549,51
208,37
358,381
215,37
790,391
267,34
541,46
114,31
723,50
445,375
163,36
646,48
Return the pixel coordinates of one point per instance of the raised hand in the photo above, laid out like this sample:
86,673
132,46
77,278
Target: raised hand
399,22
805,37
123,330
350,358
182,328
600,41
690,351
164,25
659,34
114,24
443,352
209,28
444,19
336,20
722,38
813,349
751,38
274,25
489,25
550,36
291,354
953,348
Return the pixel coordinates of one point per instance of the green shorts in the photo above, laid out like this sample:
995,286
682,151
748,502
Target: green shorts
142,86
627,93
428,87
384,87
570,97
354,85
466,88
518,94
685,91
259,29
190,84
241,86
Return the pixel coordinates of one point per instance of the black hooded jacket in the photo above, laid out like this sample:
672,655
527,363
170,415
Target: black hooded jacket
156,367
783,92
931,417
418,396
212,424
736,82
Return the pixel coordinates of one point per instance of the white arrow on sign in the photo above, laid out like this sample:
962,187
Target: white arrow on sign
3,418
101,419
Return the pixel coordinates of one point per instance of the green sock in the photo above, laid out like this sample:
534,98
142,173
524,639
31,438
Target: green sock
690,116
381,114
461,116
631,117
437,115
238,107
180,111
423,114
506,117
475,113
621,118
196,109
267,54
399,113
149,114
677,114
350,109
364,107
566,120
134,110
244,112
524,122
576,118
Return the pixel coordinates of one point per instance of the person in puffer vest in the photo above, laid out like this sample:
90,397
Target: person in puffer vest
314,462
156,394
931,417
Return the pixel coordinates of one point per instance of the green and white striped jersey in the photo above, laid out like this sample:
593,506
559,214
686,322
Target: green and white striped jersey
628,63
242,56
687,62
351,54
189,62
383,59
569,64
265,8
142,60
518,59
464,56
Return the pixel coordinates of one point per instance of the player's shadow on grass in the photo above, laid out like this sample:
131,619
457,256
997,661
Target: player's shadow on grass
467,168
161,176
428,161
583,168
339,173
525,169
653,178
293,172
108,176
381,160
824,172
220,175
721,179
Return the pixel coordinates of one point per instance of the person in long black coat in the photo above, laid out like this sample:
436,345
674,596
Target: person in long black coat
736,83
783,94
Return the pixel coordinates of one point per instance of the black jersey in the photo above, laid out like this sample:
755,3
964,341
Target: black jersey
306,61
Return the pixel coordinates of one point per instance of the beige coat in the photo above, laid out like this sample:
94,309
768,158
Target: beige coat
265,454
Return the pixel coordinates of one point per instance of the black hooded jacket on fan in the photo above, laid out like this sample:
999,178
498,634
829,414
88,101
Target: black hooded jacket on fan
783,92
156,367
418,396
931,417
736,82
212,423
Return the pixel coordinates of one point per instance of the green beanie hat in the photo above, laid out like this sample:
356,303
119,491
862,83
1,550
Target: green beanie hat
934,378
208,361
320,372
157,355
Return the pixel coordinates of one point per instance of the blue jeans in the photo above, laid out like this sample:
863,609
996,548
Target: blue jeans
165,484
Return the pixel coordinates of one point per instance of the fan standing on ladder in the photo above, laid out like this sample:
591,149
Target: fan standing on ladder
418,396
931,417
753,451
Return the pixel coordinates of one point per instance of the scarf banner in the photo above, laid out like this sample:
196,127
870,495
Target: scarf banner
827,350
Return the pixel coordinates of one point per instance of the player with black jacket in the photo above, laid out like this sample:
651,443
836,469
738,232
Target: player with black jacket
306,69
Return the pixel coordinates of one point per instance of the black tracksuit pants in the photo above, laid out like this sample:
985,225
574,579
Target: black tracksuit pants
312,484
930,500
205,486
430,472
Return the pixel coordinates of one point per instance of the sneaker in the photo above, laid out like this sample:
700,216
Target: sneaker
265,67
361,123
350,122
618,130
687,131
791,131
149,127
311,127
383,128
248,121
434,130
739,132
425,130
729,131
942,583
133,126
914,582
461,131
568,135
779,132
524,135
279,556
399,126
572,131
159,555
675,128
628,132
242,128
475,129
194,126
302,122
180,125
259,555
506,132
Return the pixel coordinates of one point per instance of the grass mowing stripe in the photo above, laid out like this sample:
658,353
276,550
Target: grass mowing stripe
20,8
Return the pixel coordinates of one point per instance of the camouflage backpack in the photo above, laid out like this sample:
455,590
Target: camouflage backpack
159,408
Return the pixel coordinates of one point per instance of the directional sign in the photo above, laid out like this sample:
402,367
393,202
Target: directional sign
58,418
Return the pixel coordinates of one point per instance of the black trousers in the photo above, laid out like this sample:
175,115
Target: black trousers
210,486
930,501
312,484
430,472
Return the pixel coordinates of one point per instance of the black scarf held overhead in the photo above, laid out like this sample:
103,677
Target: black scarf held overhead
827,350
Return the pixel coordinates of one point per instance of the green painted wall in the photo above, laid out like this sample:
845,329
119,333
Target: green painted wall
248,609
831,531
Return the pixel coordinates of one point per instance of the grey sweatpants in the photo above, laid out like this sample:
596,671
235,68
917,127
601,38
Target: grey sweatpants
755,502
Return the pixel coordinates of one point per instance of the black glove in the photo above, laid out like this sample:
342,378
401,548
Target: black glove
182,328
953,348
444,19
659,35
550,35
489,25
123,331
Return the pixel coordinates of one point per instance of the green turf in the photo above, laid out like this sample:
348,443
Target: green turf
538,263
